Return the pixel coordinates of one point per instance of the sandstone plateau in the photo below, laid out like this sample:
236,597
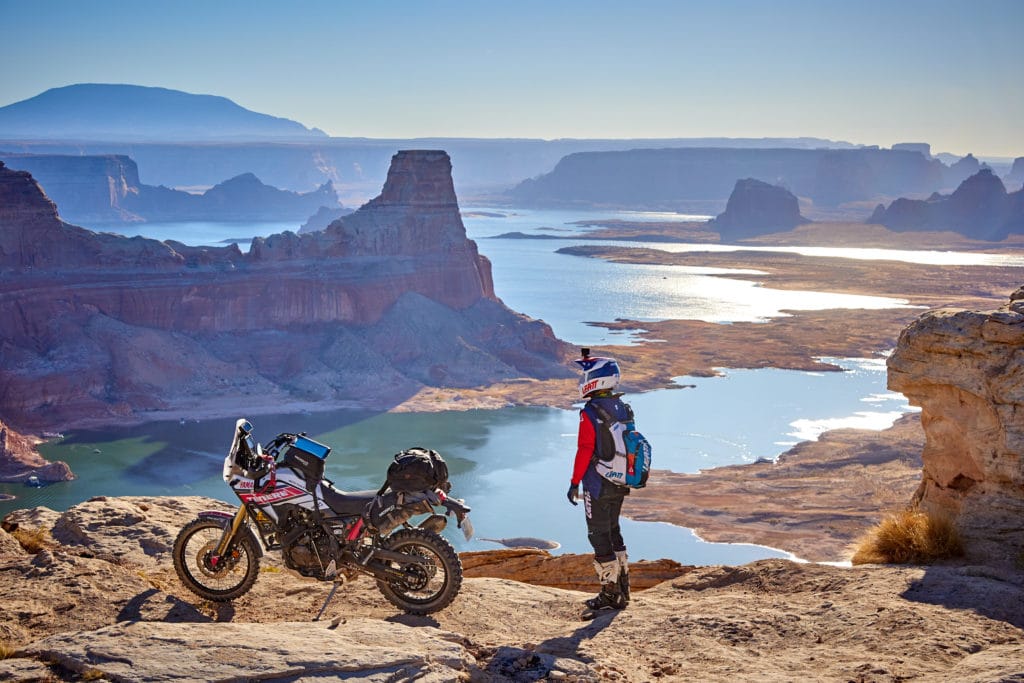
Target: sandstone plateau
382,303
90,594
965,369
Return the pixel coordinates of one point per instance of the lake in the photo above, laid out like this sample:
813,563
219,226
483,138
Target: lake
512,465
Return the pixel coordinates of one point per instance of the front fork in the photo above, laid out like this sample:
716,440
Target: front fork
229,534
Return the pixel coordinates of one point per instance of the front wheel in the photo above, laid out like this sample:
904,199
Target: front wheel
230,577
425,587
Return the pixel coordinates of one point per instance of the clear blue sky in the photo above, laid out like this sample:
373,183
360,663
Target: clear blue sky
948,72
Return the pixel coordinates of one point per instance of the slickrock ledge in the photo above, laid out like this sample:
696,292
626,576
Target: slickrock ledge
966,371
100,600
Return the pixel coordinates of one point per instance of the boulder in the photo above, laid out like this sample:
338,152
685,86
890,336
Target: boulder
965,369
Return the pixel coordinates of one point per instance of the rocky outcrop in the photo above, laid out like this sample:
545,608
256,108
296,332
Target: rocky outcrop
92,594
323,217
106,189
961,170
674,178
385,301
965,369
979,208
757,208
19,460
1016,175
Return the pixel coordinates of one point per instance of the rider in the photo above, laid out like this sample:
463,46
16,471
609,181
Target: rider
602,499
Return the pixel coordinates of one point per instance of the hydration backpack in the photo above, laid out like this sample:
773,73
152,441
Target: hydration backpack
630,462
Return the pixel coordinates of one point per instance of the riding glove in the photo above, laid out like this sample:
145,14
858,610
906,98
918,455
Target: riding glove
573,494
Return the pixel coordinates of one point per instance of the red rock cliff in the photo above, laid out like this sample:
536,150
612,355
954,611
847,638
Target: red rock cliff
98,325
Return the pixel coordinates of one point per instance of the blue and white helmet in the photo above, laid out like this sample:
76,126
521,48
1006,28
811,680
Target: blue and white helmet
598,373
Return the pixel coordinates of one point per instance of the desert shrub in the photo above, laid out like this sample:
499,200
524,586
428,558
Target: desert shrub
909,536
7,650
32,540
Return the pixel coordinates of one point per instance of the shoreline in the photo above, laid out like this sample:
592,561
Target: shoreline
758,503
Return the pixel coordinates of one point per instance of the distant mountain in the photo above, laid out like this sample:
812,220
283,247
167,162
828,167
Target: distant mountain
93,111
106,189
980,208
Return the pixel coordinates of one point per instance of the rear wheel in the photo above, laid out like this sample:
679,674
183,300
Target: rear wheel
218,579
424,587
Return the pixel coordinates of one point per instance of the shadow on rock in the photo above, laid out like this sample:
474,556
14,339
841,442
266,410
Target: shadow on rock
155,605
414,620
555,654
991,592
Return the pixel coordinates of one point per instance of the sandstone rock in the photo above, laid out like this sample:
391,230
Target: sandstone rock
77,609
569,571
106,189
323,217
757,208
160,329
367,649
961,170
979,208
19,460
966,371
1016,174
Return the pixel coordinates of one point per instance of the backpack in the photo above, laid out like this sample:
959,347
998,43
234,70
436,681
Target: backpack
630,464
418,469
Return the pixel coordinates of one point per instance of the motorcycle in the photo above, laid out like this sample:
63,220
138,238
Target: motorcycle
323,532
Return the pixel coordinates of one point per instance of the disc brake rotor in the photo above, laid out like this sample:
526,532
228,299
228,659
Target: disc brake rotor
204,554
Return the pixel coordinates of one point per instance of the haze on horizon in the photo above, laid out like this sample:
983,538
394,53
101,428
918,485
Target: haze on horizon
944,72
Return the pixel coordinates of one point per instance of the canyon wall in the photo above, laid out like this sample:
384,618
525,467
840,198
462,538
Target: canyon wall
383,302
106,189
669,178
965,369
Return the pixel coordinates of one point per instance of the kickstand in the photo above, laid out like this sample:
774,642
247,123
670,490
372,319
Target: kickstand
328,600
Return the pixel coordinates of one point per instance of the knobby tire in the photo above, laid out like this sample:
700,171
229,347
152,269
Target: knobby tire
189,546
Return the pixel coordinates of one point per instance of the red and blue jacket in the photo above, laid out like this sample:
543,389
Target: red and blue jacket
588,444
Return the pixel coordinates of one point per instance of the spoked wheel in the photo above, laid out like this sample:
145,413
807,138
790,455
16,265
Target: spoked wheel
426,587
218,579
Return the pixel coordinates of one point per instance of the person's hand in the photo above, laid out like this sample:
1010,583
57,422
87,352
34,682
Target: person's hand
573,494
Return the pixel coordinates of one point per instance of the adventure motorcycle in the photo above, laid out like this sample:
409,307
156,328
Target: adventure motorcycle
323,532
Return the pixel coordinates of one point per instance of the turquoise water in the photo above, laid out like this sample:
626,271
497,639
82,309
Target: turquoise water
511,465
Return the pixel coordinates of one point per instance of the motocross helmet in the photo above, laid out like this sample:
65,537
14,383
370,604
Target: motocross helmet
598,373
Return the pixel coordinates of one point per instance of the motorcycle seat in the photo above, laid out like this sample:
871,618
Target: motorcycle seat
346,503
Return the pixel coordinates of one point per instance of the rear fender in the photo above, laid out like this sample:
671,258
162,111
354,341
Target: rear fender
225,518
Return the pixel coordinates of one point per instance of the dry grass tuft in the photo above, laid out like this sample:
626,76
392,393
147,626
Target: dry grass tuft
7,650
32,540
909,537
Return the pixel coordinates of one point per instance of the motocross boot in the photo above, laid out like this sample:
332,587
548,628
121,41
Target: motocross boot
623,560
610,596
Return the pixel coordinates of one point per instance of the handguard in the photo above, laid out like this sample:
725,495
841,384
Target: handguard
461,512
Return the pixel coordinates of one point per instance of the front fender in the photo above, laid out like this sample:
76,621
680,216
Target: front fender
225,519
